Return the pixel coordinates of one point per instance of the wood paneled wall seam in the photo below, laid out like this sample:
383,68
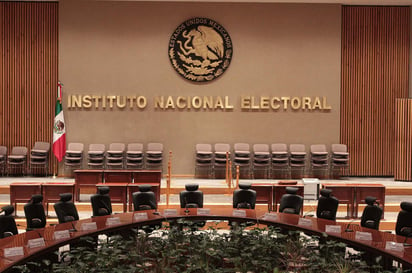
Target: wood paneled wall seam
29,69
375,61
403,170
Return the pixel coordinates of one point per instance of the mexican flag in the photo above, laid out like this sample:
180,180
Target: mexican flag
59,128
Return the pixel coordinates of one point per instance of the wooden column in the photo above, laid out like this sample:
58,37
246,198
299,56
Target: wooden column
28,72
375,66
403,133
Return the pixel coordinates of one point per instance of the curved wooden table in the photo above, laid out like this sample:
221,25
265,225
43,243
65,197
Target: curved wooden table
130,220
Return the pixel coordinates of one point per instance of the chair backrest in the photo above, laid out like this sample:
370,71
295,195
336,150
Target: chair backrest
101,203
290,202
192,197
327,205
118,147
97,147
244,197
65,209
135,147
372,213
41,145
279,148
404,220
19,150
318,148
241,147
203,147
222,148
297,148
34,212
261,148
3,150
144,199
339,148
8,225
75,147
154,147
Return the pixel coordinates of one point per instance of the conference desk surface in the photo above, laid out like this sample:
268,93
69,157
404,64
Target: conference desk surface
126,221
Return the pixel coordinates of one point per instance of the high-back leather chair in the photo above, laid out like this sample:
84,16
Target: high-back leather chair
290,202
34,212
327,205
101,203
8,225
65,209
372,213
144,199
244,197
404,220
192,197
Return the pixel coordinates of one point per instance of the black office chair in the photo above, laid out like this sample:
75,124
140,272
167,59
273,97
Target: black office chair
101,203
144,199
34,212
290,202
65,209
192,197
327,205
404,221
8,225
372,213
244,197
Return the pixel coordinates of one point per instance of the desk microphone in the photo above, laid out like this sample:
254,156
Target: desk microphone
406,238
347,229
40,236
153,205
73,227
186,206
407,235
307,214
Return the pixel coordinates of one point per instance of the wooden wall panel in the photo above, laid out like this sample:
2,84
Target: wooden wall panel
29,35
403,159
375,68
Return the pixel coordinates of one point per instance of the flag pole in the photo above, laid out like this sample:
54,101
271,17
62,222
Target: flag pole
59,132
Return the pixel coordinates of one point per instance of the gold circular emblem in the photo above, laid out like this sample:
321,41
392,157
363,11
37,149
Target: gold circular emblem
200,49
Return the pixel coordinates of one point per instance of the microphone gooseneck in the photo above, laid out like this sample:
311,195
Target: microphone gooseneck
348,229
73,227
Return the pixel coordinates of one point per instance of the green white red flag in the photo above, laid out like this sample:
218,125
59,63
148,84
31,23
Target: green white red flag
59,128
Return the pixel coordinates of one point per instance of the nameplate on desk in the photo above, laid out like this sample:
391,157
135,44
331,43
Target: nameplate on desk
239,213
202,211
364,236
113,221
170,212
270,216
61,234
394,246
38,242
333,229
138,216
13,251
305,222
88,226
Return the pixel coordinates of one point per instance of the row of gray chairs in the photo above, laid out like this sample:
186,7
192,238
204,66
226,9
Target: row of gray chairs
20,162
117,156
274,161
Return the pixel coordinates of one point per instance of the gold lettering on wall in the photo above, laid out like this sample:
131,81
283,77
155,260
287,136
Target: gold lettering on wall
211,103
